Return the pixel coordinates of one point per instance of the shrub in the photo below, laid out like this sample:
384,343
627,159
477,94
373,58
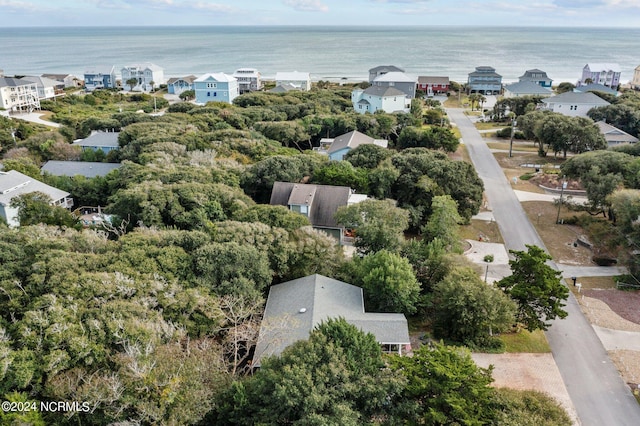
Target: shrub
527,176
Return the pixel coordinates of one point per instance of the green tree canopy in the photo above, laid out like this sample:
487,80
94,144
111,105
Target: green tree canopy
536,287
378,224
437,138
444,387
425,174
368,156
469,311
444,222
35,208
388,282
334,377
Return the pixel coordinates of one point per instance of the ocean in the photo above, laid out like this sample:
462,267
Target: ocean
327,52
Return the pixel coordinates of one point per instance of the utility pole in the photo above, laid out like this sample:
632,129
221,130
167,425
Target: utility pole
513,130
564,185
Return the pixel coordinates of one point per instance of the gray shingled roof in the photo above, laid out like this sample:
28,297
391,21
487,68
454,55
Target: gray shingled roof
188,79
383,91
577,98
102,139
596,88
352,139
13,184
296,307
13,82
485,71
283,88
614,135
527,88
326,200
385,68
82,168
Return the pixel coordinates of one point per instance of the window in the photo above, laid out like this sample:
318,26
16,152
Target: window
211,86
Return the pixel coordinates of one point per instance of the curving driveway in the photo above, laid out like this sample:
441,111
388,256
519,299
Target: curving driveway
597,391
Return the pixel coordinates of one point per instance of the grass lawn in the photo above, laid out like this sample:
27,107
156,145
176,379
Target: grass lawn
489,126
591,283
558,239
518,148
526,342
481,227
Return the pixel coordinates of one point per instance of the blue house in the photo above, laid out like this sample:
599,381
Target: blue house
337,148
218,87
101,77
99,141
177,85
484,80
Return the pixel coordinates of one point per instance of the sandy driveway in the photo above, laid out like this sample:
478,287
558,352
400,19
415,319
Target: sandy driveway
528,371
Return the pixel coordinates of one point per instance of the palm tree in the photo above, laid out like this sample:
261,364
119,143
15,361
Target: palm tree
473,98
481,100
152,83
132,83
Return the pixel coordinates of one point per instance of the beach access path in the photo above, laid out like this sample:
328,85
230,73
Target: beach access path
597,391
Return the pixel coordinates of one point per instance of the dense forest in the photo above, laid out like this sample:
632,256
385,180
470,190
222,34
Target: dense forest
151,318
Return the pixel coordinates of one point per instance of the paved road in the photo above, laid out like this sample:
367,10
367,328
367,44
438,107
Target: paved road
595,386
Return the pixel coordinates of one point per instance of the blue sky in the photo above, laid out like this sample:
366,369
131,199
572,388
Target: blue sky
611,13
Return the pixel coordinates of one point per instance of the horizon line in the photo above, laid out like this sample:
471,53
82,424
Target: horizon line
328,25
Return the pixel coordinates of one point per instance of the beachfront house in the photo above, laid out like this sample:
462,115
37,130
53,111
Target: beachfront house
215,87
299,80
177,85
398,80
605,74
573,104
340,146
148,76
99,141
47,88
379,98
17,94
69,80
615,136
433,85
294,308
525,88
249,79
88,169
536,76
319,203
14,184
635,82
100,77
484,80
376,72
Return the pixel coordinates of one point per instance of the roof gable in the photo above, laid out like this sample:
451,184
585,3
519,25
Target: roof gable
219,77
577,98
324,203
383,91
102,139
296,307
82,168
395,77
352,139
527,87
14,183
